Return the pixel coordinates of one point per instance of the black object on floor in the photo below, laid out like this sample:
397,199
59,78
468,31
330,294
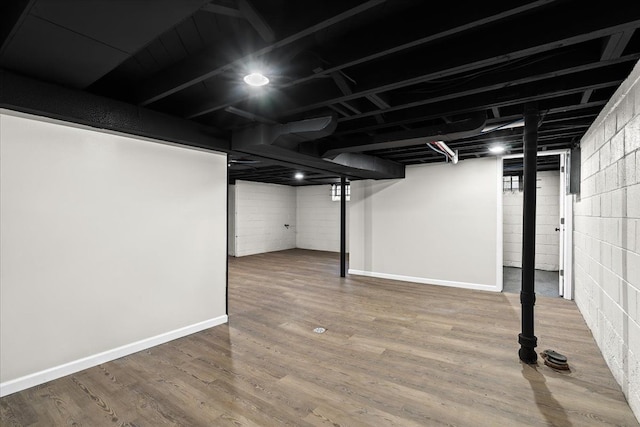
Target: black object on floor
555,356
555,360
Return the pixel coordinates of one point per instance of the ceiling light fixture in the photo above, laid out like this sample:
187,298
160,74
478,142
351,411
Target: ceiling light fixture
496,149
256,79
299,175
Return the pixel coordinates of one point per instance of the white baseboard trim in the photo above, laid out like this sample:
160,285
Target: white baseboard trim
31,380
438,282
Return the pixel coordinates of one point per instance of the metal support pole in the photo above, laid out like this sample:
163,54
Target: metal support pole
527,339
343,226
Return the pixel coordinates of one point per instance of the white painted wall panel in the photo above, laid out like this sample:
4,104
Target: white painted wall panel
438,225
262,210
318,219
105,240
547,219
607,235
231,214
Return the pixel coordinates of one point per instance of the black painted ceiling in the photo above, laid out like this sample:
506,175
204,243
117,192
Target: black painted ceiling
392,70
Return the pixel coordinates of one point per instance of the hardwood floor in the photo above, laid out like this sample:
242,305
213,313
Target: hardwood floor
393,354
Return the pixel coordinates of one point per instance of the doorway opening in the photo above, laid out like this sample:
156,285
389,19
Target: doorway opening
553,217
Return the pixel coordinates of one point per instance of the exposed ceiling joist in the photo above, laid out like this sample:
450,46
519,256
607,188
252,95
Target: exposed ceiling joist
256,21
340,110
381,104
498,56
345,87
350,107
342,83
192,71
384,90
615,45
222,10
484,19
378,101
412,120
533,74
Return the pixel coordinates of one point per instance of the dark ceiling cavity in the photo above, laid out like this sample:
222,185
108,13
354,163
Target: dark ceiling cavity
392,76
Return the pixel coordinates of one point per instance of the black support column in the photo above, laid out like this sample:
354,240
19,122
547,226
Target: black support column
527,339
343,226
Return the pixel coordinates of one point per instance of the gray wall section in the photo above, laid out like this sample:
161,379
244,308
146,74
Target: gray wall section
607,235
105,241
231,231
438,225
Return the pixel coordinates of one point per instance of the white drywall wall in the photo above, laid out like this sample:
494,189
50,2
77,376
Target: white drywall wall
607,235
547,220
262,210
231,213
438,225
318,219
108,244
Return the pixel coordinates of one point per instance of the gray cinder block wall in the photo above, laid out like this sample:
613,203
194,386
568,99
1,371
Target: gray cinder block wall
607,235
547,220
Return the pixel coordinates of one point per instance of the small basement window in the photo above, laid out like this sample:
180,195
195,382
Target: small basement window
511,183
335,192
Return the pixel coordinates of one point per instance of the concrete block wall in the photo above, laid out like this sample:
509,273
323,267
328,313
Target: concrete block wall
547,219
258,213
607,235
318,219
261,212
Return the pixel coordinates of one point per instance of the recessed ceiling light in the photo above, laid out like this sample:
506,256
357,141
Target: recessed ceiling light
496,149
256,79
299,175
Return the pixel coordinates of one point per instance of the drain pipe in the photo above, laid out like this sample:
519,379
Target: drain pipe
527,339
343,226
444,149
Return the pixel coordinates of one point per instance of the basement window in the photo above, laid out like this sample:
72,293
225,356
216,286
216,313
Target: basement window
336,190
511,183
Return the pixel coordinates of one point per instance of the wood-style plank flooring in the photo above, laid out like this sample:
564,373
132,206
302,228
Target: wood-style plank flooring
393,354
